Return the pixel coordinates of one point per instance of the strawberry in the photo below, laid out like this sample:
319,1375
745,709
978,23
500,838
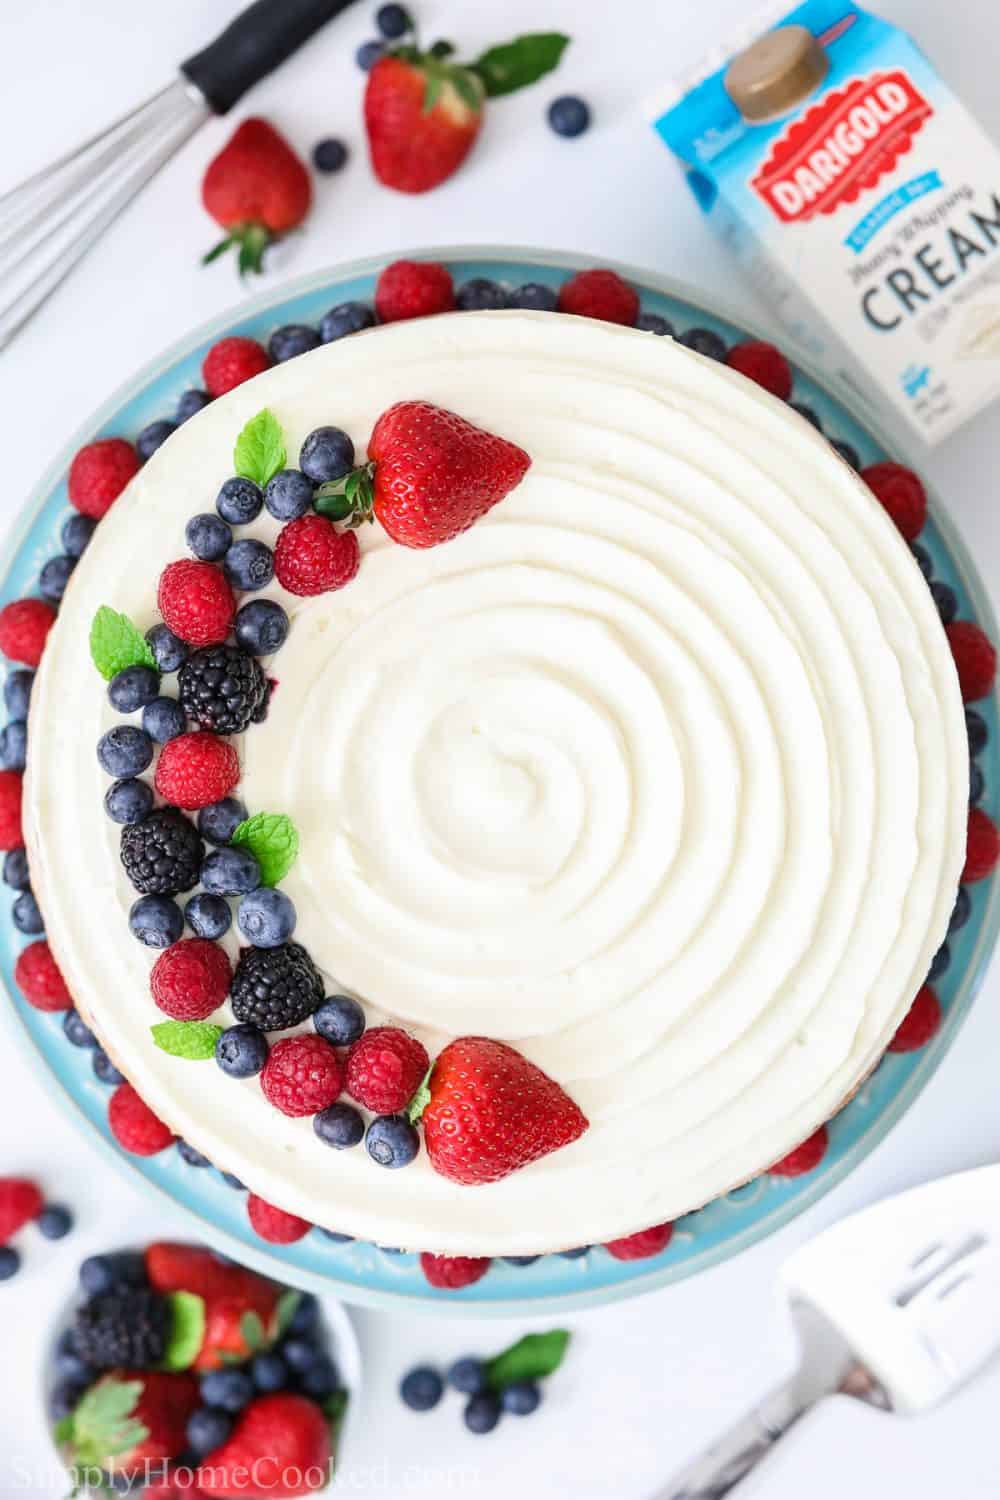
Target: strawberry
20,1202
280,1448
257,189
490,1112
230,1294
130,1419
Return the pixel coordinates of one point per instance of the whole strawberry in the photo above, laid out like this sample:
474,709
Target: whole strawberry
280,1447
258,190
20,1202
491,1112
130,1420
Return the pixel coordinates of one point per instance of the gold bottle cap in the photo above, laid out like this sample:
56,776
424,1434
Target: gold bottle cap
781,68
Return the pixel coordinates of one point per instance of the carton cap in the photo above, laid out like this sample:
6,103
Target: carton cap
776,72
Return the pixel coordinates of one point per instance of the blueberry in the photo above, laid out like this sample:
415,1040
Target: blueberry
124,750
261,627
105,1070
939,963
336,1237
392,1141
269,1373
288,342
17,692
76,533
568,115
340,1126
230,872
128,801
77,1031
168,649
15,869
422,1388
191,403
847,451
156,921
977,785
480,295
305,1318
977,731
704,341
101,1274
152,437
266,917
54,577
946,600
208,916
482,1413
241,1051
163,719
27,915
230,1178
574,1254
340,1019
14,745
389,1250
393,21
521,1398
55,1221
653,323
345,318
289,494
190,1156
207,1430
520,1260
208,536
10,1262
535,296
70,1367
329,155
468,1375
807,414
132,688
219,820
239,501
249,565
230,1390
300,1354
321,1379
923,559
961,910
368,55
326,454
66,1395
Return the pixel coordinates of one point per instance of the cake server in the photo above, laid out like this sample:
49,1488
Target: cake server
897,1306
49,221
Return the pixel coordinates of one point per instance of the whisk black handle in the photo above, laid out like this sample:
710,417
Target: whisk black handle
257,42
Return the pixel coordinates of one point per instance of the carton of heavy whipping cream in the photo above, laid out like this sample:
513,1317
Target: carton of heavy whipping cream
862,199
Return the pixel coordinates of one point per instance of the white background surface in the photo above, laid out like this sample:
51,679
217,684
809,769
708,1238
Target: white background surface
648,1382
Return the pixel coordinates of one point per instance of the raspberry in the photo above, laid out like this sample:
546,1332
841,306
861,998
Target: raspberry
638,1246
275,988
901,494
162,855
302,1075
453,1271
99,473
37,976
196,602
191,979
11,836
982,846
133,1124
197,769
273,1224
920,1022
312,557
24,626
230,362
413,289
804,1158
764,365
222,688
384,1069
975,658
600,294
127,1328
20,1202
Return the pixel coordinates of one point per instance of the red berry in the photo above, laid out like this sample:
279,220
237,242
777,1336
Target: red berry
274,1224
453,1271
804,1158
413,289
99,473
764,365
20,1202
982,846
641,1245
313,557
24,626
417,138
975,658
257,189
230,362
191,979
302,1075
196,602
133,1124
11,836
600,294
196,769
920,1023
37,976
901,494
384,1069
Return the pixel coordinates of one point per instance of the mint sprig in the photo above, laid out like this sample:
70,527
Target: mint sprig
260,449
194,1041
273,840
531,1358
115,644
516,64
187,1330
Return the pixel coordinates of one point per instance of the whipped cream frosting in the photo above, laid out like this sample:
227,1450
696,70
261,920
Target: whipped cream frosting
659,773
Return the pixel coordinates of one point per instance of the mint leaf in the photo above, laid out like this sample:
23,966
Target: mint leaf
531,1358
260,448
421,1098
518,63
187,1330
273,840
252,1330
285,1311
193,1040
115,644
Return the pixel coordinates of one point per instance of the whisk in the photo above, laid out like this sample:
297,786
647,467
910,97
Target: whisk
51,220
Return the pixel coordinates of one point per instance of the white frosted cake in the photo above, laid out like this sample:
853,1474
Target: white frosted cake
658,773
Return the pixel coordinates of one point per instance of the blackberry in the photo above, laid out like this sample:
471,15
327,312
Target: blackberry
275,988
222,688
125,1329
162,855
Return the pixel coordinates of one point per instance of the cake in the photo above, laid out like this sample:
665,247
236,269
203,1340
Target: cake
657,774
